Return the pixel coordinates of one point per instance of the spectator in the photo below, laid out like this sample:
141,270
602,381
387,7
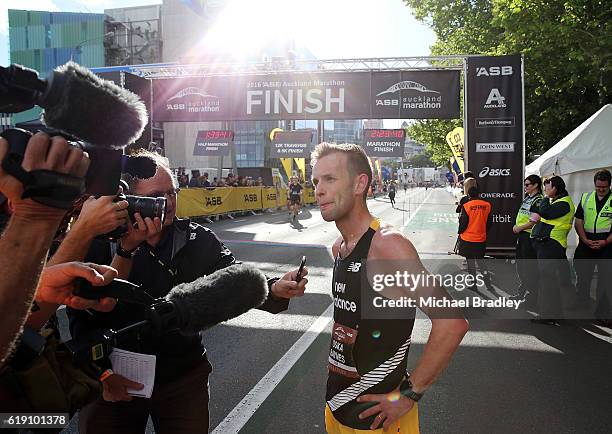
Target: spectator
183,180
215,182
260,182
204,182
194,182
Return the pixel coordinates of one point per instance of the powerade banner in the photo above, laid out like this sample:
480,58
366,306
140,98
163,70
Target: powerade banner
213,143
495,148
384,143
339,95
294,144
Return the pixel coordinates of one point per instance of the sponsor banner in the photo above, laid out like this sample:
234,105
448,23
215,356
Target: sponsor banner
213,143
309,195
201,201
384,143
294,144
430,94
455,141
494,122
246,198
271,198
494,147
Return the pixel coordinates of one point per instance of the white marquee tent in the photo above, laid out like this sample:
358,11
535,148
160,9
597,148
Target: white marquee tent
578,156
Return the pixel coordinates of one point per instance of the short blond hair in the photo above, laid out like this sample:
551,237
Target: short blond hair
358,161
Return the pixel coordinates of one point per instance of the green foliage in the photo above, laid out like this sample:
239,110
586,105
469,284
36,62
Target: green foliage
566,46
432,133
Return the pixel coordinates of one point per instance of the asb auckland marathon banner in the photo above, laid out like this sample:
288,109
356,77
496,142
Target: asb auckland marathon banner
495,139
430,94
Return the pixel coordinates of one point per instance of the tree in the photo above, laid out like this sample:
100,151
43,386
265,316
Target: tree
432,132
566,46
422,159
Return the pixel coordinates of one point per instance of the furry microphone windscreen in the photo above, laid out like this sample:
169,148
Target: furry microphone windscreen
218,297
95,110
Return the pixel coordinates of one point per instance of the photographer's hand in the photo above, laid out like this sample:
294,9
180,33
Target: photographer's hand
115,387
144,230
26,240
57,284
101,215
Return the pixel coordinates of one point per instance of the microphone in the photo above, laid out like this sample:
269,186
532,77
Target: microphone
218,297
77,102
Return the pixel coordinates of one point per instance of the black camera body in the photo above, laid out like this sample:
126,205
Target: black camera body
146,206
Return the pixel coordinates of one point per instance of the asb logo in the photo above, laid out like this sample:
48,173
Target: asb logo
402,85
487,171
493,71
193,99
495,100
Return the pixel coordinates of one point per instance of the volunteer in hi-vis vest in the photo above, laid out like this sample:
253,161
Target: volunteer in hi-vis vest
594,228
474,221
368,386
549,235
526,259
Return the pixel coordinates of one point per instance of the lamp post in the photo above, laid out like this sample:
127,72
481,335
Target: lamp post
77,48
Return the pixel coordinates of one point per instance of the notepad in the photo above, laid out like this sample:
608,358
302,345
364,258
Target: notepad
136,367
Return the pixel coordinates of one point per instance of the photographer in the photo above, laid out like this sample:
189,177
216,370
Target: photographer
158,256
30,230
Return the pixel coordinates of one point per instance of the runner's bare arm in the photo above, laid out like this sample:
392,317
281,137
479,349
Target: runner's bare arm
448,326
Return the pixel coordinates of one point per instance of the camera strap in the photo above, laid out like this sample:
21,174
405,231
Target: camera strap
57,190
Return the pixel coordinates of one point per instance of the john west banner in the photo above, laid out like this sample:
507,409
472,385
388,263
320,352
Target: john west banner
384,143
213,143
495,144
428,94
294,144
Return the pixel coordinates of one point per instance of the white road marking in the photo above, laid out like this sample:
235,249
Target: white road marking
240,415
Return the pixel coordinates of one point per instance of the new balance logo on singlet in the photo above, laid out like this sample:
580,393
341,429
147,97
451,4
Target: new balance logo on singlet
354,267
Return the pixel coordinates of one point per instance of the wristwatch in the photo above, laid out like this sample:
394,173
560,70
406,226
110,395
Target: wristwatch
406,390
127,254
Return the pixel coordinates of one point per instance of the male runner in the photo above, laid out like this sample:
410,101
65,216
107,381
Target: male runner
368,387
295,197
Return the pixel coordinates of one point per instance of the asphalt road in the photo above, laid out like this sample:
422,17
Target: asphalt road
509,375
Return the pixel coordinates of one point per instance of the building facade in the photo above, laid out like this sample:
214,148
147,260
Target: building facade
44,40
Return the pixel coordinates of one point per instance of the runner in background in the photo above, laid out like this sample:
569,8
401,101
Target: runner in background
295,197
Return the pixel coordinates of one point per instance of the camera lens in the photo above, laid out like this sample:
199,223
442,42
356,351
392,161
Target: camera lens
146,206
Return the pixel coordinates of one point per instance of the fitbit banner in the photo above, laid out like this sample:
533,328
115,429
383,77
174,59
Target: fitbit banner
428,94
495,148
213,143
291,144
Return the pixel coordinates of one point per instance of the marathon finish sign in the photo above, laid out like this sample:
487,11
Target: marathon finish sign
291,144
495,139
213,143
384,143
428,94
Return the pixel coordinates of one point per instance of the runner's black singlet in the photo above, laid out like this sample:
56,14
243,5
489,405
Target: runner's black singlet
366,355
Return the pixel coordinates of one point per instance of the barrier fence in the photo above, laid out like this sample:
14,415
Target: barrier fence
202,202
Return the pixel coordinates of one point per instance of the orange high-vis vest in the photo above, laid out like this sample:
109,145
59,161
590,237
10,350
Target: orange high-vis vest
478,212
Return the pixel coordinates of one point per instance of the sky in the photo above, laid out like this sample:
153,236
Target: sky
330,29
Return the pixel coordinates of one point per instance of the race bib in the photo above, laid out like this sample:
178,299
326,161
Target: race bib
341,359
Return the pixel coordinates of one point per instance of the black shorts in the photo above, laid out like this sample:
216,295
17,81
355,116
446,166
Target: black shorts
295,200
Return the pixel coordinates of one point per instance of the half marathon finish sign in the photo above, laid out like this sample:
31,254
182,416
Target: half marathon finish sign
430,94
291,144
213,143
384,143
495,146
